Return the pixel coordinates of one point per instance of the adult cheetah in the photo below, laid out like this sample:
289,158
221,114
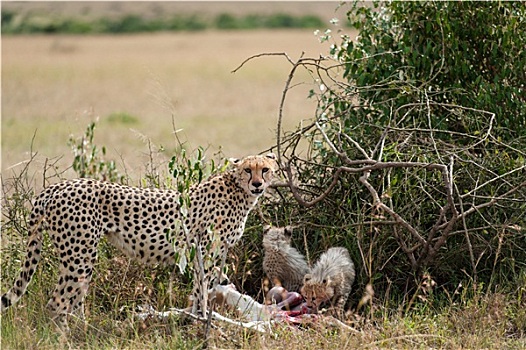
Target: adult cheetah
146,224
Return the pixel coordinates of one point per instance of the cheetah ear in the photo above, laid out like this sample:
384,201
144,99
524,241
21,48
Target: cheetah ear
288,230
307,278
275,159
234,161
266,228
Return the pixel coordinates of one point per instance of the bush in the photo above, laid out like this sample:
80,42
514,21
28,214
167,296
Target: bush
415,160
89,162
226,21
414,51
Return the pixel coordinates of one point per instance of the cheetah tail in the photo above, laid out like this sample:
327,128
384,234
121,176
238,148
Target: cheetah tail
34,250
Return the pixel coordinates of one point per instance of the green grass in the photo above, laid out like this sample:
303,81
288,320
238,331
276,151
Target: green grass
474,325
122,118
471,319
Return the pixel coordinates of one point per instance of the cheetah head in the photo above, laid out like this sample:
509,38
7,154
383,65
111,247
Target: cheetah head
316,292
254,173
277,235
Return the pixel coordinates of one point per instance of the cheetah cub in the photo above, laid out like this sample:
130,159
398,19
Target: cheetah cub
330,280
283,264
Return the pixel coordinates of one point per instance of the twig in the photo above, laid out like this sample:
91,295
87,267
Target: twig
466,233
295,66
470,193
334,321
258,326
262,55
297,196
493,200
380,205
305,62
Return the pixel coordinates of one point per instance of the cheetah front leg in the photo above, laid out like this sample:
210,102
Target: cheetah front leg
338,309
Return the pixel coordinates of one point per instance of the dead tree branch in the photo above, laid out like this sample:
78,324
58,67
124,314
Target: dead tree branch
417,149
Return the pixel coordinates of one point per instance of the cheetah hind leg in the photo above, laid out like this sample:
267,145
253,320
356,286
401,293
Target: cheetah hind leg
68,296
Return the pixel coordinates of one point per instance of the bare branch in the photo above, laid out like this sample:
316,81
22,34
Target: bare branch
380,205
281,105
493,200
297,196
284,54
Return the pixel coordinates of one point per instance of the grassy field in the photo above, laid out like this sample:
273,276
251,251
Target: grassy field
139,89
482,322
53,86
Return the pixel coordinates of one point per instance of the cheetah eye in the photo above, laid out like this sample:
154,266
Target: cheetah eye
264,170
248,170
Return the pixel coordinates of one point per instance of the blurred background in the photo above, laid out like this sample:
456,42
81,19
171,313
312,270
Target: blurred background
142,70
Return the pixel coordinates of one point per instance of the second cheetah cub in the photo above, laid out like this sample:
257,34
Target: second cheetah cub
283,264
330,280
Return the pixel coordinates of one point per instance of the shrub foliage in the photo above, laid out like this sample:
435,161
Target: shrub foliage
415,161
416,158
